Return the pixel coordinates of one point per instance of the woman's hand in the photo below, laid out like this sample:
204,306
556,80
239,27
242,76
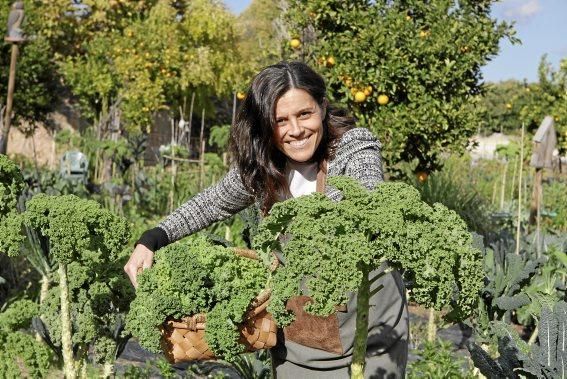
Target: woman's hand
141,258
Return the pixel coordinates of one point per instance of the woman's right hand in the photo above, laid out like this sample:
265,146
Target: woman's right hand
141,258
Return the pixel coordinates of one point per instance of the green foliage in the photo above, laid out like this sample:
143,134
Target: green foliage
555,205
255,365
425,56
76,228
35,91
11,185
547,359
438,360
89,240
219,136
261,36
507,278
194,276
18,315
548,97
154,61
327,242
501,104
547,287
22,356
100,296
448,188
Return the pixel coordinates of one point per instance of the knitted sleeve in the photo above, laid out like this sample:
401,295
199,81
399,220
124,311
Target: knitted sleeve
215,203
358,156
365,166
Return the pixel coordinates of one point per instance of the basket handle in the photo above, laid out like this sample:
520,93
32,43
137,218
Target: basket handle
252,254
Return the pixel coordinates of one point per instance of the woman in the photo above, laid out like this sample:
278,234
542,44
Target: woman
285,141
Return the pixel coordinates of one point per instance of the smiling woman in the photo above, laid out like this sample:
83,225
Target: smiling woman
285,141
299,125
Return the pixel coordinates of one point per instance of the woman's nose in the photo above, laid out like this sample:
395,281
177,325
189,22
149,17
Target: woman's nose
295,128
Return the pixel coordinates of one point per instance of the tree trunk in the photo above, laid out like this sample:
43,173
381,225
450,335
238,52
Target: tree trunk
66,340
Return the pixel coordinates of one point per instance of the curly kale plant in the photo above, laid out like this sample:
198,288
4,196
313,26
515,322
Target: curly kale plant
11,187
194,276
330,244
87,242
21,354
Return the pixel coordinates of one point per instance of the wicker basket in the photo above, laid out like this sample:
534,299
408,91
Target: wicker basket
184,340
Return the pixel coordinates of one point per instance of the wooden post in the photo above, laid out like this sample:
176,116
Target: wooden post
535,208
513,179
173,167
202,153
10,100
233,108
190,123
545,140
503,187
518,227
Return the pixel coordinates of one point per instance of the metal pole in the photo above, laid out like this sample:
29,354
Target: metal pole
10,101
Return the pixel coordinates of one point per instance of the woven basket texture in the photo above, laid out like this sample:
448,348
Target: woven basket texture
184,340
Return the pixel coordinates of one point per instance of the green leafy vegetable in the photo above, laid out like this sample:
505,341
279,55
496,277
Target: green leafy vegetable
193,276
327,242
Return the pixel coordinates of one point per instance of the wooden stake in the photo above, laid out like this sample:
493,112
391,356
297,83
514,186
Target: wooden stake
173,167
202,153
503,186
190,123
518,227
513,179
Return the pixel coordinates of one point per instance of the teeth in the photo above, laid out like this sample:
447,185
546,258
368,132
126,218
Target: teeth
299,143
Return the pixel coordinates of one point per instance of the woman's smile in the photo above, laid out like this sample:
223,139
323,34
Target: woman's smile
299,125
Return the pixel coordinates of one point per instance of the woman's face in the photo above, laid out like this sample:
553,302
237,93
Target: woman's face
299,125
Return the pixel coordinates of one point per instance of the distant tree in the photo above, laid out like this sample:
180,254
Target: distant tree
262,32
154,61
548,97
502,103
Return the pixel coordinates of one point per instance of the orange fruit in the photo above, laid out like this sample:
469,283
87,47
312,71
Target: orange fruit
368,91
330,62
240,95
421,176
295,43
359,97
383,99
508,106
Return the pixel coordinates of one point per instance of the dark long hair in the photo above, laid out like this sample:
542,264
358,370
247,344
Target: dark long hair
260,164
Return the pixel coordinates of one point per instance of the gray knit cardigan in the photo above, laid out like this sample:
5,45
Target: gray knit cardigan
357,156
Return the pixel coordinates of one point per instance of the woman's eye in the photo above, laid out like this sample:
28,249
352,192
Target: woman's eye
305,115
280,122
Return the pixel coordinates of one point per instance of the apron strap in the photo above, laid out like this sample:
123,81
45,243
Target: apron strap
322,177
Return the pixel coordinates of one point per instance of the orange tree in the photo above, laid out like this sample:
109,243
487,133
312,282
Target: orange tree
409,70
151,60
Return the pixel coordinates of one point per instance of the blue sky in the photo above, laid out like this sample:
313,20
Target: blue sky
541,25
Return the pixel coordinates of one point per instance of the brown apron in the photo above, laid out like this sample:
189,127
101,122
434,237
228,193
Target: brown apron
309,330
